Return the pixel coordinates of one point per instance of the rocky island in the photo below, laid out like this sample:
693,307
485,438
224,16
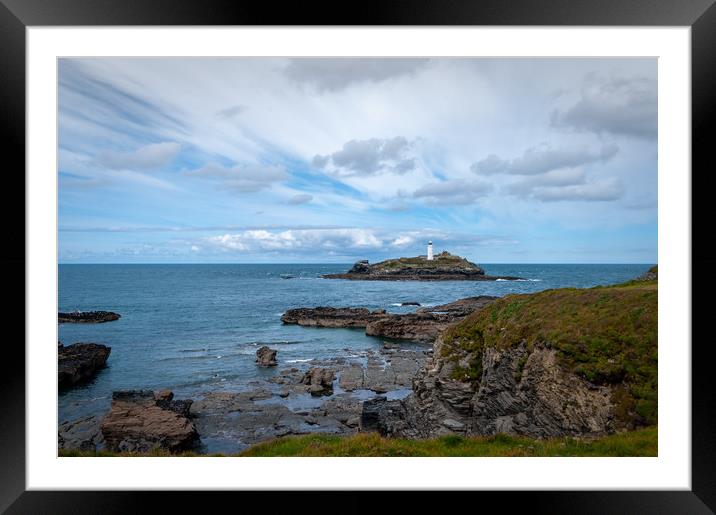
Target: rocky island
443,267
87,317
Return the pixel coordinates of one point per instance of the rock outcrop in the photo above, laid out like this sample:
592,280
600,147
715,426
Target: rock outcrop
87,317
142,420
320,380
444,267
83,434
650,275
520,392
79,362
564,362
422,326
266,357
331,317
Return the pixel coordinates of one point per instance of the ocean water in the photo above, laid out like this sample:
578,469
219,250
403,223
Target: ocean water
196,328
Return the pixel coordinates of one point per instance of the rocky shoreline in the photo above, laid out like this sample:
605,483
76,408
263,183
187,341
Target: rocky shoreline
443,378
321,396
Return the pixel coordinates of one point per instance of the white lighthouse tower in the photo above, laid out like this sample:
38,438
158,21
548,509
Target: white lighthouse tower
430,251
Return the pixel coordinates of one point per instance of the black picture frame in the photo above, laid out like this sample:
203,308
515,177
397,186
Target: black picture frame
17,15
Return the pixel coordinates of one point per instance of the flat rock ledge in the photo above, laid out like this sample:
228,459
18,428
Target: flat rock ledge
87,317
143,420
422,326
79,362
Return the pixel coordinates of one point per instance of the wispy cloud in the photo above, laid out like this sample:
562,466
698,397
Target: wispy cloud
241,178
147,157
457,191
300,198
331,74
543,159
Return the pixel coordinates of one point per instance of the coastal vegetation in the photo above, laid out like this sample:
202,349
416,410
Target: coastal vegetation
642,442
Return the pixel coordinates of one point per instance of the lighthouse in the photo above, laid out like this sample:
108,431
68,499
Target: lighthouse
430,251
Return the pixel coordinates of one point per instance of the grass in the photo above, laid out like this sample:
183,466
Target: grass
607,335
642,442
442,259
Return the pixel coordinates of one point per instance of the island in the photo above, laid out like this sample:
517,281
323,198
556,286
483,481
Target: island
441,267
87,317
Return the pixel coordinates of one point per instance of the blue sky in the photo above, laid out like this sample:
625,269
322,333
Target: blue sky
253,160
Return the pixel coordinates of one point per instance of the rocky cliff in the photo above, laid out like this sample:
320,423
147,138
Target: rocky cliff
579,362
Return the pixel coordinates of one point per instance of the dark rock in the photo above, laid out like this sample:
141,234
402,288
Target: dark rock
141,421
422,326
87,317
330,317
320,380
83,434
266,357
410,303
373,414
79,362
361,267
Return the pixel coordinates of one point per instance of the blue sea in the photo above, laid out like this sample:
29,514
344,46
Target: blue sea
196,328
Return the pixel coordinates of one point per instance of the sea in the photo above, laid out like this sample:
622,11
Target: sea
195,328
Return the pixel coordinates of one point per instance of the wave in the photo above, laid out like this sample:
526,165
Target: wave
298,360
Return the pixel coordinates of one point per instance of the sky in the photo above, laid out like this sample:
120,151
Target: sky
331,160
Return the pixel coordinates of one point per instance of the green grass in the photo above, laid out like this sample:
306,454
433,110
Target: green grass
643,442
442,259
607,335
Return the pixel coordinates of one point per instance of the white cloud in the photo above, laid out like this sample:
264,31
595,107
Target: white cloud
147,157
299,240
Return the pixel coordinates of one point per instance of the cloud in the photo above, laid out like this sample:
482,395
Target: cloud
369,157
543,159
597,191
458,191
231,111
616,106
300,198
147,157
242,179
553,178
309,240
334,74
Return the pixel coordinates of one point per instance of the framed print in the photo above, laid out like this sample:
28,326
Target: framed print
421,239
